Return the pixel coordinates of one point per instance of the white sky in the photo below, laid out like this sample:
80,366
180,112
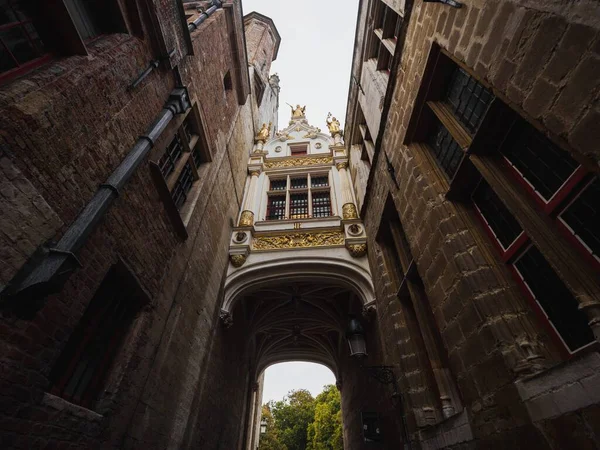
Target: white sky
313,63
282,378
315,55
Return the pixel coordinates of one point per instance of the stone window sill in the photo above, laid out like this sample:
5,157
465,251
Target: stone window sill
567,387
60,404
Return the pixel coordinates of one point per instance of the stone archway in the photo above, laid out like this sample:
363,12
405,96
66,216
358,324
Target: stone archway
297,309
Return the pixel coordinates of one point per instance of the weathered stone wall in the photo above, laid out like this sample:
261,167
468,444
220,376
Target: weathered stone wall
541,58
65,127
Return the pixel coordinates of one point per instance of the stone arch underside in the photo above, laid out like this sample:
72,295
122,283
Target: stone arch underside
317,268
296,308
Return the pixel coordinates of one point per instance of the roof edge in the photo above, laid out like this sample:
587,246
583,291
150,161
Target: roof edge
270,23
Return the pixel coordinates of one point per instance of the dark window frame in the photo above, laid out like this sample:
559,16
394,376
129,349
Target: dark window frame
43,53
305,188
483,149
130,296
184,180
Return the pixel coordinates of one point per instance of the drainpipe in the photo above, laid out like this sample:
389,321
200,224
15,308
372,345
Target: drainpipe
216,4
50,268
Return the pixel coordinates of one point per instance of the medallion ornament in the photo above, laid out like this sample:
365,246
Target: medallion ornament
240,237
299,240
354,229
237,260
357,250
246,219
349,211
298,162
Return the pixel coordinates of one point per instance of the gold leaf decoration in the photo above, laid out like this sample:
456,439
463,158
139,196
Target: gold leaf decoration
298,162
357,250
299,240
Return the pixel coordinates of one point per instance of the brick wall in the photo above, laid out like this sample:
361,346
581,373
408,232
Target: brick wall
539,59
65,127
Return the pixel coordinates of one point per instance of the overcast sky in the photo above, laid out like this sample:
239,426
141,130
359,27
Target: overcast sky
282,378
313,63
315,55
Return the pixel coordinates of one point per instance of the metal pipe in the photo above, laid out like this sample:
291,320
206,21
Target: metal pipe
153,65
216,4
49,273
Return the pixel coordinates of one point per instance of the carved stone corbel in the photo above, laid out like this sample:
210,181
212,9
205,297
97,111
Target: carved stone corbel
226,319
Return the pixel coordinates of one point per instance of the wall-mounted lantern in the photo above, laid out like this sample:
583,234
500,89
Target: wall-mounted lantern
263,426
356,339
382,374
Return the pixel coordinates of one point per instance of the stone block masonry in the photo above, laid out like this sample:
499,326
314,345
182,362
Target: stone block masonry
540,60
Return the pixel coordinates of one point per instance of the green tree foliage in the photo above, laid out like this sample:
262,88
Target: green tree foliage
300,422
269,440
325,431
292,416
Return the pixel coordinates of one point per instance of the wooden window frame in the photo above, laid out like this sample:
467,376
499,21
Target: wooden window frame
483,159
383,38
54,24
196,157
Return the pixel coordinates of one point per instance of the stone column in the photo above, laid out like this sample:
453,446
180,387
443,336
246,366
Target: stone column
349,208
247,216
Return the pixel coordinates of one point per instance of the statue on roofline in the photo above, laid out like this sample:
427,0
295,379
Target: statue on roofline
299,112
333,124
264,133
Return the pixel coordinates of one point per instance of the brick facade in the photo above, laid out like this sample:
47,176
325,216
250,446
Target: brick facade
540,61
65,127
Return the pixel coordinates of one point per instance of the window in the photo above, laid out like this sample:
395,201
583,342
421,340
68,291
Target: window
93,18
441,400
386,27
581,220
276,207
544,169
179,169
259,88
81,370
554,299
468,99
306,196
445,149
227,83
298,149
477,141
362,137
21,47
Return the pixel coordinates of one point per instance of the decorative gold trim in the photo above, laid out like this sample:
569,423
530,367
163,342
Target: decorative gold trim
298,162
341,165
349,211
246,219
254,173
357,250
237,260
299,240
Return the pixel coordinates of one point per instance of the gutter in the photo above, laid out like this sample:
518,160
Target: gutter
51,266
